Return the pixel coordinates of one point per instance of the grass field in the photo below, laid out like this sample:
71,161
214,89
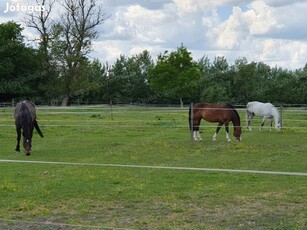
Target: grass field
93,195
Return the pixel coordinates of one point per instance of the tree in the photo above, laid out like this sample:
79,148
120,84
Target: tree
245,82
97,75
19,65
65,44
127,79
217,80
283,87
302,81
50,86
136,71
73,39
41,21
175,75
263,77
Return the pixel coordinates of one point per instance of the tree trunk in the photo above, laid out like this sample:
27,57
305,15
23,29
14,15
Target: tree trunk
65,101
181,103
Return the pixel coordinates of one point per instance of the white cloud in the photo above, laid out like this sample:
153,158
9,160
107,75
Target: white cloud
258,20
261,18
252,32
231,32
272,31
278,3
107,51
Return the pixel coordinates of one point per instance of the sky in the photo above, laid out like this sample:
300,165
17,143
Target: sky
269,31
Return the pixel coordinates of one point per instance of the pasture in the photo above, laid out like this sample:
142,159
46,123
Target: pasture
75,177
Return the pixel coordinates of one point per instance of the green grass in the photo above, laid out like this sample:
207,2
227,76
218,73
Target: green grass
40,196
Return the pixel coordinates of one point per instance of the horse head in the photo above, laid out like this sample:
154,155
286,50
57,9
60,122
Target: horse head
237,132
27,144
278,125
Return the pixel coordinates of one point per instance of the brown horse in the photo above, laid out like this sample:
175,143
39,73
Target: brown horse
221,113
25,120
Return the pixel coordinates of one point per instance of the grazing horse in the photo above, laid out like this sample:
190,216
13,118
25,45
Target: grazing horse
264,110
25,120
221,113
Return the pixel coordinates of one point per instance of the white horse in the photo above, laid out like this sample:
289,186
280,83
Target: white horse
264,110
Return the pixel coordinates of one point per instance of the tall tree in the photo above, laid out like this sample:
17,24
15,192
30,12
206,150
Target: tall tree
175,75
302,81
127,79
217,81
42,22
65,44
245,82
50,83
19,64
136,71
73,40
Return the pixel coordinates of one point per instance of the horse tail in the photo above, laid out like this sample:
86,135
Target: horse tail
38,129
235,111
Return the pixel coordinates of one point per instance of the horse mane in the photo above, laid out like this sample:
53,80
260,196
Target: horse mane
234,110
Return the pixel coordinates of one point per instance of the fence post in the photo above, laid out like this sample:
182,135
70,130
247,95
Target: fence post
191,122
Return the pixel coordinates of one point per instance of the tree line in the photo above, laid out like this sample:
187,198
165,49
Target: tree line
57,69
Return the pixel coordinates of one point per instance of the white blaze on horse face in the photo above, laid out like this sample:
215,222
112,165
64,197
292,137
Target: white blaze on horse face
28,144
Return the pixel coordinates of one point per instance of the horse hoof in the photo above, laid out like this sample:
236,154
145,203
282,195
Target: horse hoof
28,154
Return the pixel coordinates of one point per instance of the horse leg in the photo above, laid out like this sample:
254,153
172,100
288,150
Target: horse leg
271,123
18,130
249,119
198,137
196,134
30,142
262,123
227,132
219,126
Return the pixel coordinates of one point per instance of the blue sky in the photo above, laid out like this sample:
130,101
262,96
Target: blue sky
271,31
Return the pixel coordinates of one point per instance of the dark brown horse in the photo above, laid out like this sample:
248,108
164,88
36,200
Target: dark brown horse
221,113
25,120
